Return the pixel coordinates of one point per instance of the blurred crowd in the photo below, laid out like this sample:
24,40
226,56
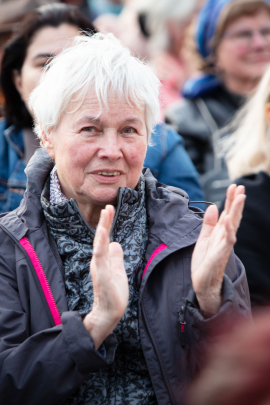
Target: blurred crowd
213,61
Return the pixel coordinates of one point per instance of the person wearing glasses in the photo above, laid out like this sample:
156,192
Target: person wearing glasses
232,45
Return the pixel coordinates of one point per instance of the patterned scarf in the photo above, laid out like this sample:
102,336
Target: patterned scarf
127,380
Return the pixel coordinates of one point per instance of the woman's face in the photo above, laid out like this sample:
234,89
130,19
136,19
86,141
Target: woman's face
46,43
95,156
244,50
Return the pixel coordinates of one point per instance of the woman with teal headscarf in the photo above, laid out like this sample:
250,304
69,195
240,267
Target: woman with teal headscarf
232,39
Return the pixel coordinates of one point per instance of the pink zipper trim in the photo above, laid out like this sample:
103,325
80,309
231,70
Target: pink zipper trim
156,252
42,279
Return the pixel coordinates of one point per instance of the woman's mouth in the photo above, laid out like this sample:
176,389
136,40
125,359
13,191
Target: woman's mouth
105,176
109,174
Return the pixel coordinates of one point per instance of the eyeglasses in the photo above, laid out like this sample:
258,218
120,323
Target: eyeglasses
245,37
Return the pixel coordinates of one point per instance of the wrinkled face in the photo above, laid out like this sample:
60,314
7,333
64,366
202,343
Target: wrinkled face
47,43
96,156
241,55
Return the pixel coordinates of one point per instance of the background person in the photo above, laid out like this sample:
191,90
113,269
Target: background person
41,35
248,160
94,113
166,22
11,12
233,40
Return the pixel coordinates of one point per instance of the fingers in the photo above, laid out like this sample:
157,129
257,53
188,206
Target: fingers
209,221
106,218
105,223
116,256
229,197
100,242
237,210
232,194
230,231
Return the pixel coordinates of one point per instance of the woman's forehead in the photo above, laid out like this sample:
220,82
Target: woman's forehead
113,108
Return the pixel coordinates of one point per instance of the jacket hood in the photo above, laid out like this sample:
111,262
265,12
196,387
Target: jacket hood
200,85
37,170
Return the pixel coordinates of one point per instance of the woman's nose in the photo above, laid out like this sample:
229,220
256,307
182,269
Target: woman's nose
110,147
259,40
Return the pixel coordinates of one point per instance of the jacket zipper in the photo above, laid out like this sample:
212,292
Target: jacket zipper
181,326
159,360
48,289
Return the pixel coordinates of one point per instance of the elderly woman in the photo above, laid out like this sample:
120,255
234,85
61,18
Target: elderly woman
130,330
40,36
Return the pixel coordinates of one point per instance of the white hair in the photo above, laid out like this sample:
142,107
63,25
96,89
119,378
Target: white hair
248,148
96,63
160,12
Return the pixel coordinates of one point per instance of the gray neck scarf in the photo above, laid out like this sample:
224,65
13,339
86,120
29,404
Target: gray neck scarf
127,380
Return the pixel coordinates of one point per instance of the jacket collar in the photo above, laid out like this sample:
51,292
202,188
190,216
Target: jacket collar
37,170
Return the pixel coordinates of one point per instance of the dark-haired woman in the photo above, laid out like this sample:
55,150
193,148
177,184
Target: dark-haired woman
42,35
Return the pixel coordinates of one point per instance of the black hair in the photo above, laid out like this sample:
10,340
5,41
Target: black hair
52,15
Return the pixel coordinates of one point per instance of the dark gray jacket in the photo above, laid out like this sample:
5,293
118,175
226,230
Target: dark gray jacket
41,363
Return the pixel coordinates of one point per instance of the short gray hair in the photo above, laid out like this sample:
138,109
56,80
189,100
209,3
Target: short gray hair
96,63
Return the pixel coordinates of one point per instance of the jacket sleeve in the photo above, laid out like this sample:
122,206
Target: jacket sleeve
235,305
45,367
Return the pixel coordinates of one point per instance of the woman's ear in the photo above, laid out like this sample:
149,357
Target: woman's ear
47,143
267,113
17,80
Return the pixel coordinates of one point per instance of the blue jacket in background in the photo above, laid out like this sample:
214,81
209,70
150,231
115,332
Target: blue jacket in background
167,159
171,165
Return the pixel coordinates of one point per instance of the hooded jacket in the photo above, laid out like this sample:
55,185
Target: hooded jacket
45,351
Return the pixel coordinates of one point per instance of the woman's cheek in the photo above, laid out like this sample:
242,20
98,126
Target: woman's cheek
138,152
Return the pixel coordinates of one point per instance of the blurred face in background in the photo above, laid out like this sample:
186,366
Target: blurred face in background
46,43
244,51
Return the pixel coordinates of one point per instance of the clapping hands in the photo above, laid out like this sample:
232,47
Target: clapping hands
213,249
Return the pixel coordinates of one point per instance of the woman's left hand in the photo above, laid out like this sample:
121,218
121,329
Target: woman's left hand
213,249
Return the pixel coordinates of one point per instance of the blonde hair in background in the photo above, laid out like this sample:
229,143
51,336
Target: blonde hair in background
248,147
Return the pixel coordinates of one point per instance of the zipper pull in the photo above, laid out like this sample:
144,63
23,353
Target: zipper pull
181,326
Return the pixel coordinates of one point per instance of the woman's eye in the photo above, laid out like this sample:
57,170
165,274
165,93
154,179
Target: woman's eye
130,130
89,129
44,62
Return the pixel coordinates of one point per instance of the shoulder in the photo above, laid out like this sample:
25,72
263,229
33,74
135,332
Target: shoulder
165,137
257,184
256,209
7,246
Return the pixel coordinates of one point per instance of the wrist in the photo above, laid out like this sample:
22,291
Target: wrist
210,302
209,305
99,326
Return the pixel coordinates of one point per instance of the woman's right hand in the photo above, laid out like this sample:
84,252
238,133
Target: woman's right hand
110,282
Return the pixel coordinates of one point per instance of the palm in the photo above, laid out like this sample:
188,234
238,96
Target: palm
110,282
214,246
